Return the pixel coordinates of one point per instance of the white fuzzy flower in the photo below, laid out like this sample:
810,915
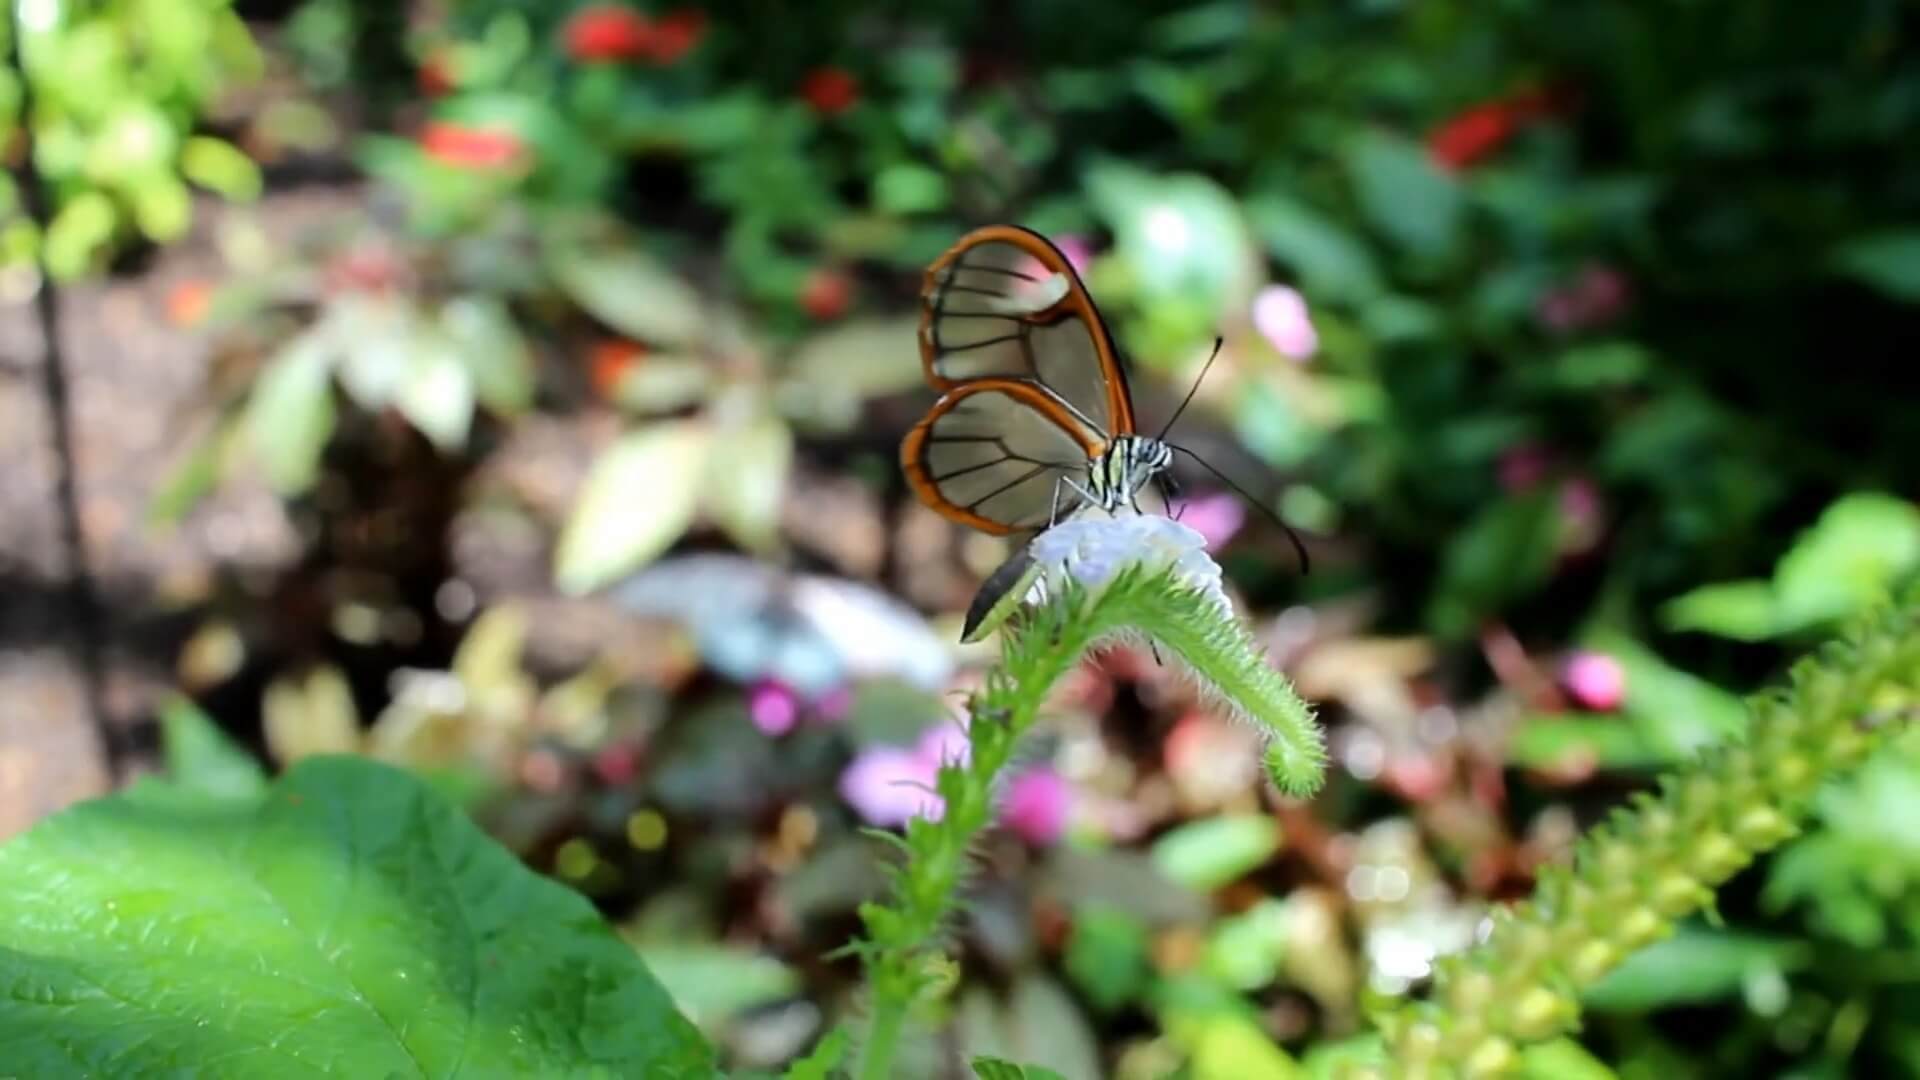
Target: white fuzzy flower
1091,550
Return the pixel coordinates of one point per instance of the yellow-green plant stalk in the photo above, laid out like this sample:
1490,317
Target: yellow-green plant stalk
1661,858
1094,582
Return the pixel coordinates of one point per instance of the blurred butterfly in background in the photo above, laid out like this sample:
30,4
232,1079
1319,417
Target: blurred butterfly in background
1035,420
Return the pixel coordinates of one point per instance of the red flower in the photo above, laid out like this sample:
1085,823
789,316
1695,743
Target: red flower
471,147
436,74
606,32
825,294
830,90
1478,133
609,362
675,35
1472,136
188,303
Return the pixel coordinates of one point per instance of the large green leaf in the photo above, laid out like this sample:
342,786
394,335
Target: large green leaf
637,501
1409,200
1208,853
1694,966
1332,264
1888,261
349,923
628,290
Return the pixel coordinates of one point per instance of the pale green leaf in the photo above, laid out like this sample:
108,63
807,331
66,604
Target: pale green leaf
220,166
631,292
1208,853
202,759
350,923
493,350
290,414
1741,610
1404,195
747,481
639,498
437,395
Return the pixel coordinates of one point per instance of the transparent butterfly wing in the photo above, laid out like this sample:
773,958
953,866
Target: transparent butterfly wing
1005,303
996,454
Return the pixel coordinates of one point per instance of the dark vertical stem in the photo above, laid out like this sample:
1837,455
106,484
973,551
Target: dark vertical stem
82,602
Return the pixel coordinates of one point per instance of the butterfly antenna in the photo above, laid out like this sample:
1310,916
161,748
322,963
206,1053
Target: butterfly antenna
1299,549
1194,389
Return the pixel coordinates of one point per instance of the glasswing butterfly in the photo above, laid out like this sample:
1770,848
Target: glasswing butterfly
1034,406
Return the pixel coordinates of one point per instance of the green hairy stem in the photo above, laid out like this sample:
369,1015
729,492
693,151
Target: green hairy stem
903,950
1660,858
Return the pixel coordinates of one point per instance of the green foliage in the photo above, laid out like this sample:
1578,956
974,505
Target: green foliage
343,919
118,89
1636,875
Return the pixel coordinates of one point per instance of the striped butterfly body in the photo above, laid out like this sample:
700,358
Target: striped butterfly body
1035,420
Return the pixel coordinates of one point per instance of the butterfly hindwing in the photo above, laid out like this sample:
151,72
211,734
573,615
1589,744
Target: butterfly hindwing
995,453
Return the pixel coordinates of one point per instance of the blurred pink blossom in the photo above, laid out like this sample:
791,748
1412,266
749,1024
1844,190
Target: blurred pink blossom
889,785
1596,681
1280,314
944,743
1596,296
1037,805
1216,516
1078,250
1523,467
834,705
774,706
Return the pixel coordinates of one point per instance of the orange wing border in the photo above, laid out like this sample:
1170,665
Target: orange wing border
913,449
1077,304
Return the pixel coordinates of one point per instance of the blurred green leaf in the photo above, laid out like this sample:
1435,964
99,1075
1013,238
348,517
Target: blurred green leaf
832,373
909,188
628,290
78,235
1608,741
1562,1059
710,982
1677,713
1741,610
1221,1035
221,167
1208,853
747,481
437,395
367,924
1693,967
823,1060
1181,235
638,499
1862,545
1503,553
195,476
1107,956
1404,195
1332,264
986,1068
200,757
290,414
1888,261
162,207
1245,950
492,349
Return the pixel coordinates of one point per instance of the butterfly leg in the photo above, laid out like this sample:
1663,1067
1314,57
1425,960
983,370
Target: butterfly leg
1053,508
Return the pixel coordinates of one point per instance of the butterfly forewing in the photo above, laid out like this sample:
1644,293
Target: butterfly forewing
1004,302
992,453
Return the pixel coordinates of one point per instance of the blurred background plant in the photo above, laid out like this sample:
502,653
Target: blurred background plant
536,425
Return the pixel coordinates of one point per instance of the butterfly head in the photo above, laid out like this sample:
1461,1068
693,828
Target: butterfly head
1129,463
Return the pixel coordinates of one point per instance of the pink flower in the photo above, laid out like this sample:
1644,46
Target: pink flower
1523,467
890,785
1596,681
1078,250
1580,519
1280,314
834,705
944,744
1597,296
1216,516
774,706
1037,805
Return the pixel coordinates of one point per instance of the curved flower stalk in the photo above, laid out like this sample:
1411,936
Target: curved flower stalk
1661,858
1080,585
